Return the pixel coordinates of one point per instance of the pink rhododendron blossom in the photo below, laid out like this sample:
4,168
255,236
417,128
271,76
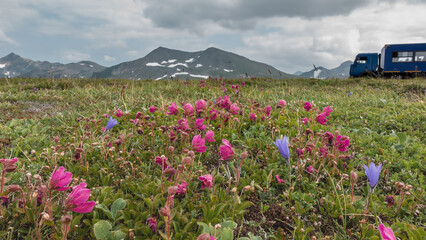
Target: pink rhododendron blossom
188,109
153,109
234,109
305,121
321,119
253,117
327,110
212,114
279,179
243,84
342,143
210,136
60,179
77,200
307,106
328,135
182,188
200,105
198,144
281,104
226,151
206,181
119,113
173,109
103,129
323,152
199,124
387,233
267,110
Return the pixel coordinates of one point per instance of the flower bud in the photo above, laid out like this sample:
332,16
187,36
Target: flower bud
354,177
165,211
14,188
244,155
204,236
172,190
66,219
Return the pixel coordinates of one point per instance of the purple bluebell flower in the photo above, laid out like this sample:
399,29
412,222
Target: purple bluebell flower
350,93
282,145
111,123
373,173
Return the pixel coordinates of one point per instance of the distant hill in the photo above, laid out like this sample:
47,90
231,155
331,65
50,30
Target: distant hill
164,63
14,65
341,71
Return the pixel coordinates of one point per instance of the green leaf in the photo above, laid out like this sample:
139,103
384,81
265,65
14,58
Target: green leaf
102,229
227,234
118,235
118,204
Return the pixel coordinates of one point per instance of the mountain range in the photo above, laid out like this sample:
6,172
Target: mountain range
161,63
342,71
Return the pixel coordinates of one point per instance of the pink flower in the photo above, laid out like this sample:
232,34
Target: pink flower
206,181
225,102
77,200
243,84
281,104
199,124
327,110
234,109
183,124
103,129
182,188
60,179
307,106
152,224
279,179
226,151
138,114
119,113
210,136
387,233
200,105
173,109
329,135
321,119
153,109
323,152
189,110
267,110
253,117
105,115
305,121
162,161
311,169
212,114
342,143
198,144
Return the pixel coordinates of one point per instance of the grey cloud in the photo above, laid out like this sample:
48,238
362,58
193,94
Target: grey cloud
242,14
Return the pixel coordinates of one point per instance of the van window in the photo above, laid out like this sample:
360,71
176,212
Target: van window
361,60
402,56
420,57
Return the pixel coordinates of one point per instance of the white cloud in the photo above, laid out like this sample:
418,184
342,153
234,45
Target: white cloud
109,58
75,56
296,42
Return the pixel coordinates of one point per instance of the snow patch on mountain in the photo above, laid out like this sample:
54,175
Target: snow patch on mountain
198,76
190,60
161,77
199,65
171,60
2,65
154,64
178,64
227,70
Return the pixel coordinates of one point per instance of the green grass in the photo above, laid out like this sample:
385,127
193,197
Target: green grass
384,120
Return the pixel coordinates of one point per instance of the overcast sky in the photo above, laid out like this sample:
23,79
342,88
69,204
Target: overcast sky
290,35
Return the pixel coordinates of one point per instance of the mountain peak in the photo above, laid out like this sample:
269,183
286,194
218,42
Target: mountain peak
10,57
